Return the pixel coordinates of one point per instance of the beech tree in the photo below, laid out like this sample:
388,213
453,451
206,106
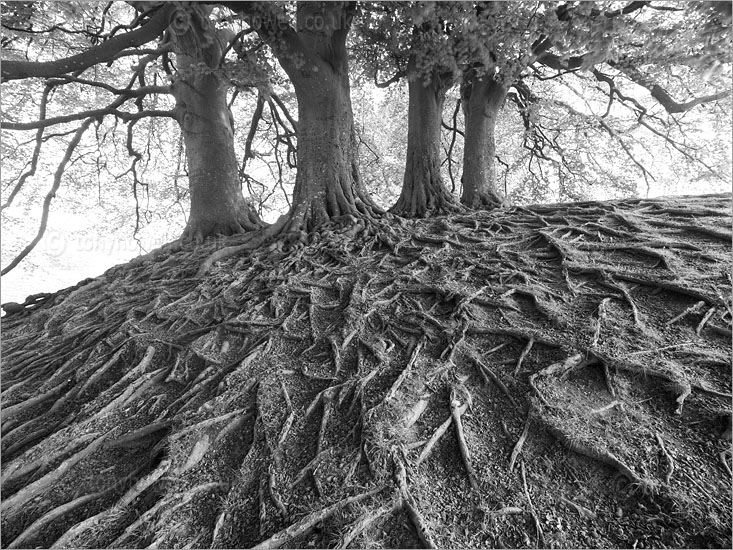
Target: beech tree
312,51
217,204
305,386
494,47
423,190
418,49
197,81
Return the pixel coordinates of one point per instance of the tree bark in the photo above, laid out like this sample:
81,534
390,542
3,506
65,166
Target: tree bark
481,98
327,184
217,204
423,191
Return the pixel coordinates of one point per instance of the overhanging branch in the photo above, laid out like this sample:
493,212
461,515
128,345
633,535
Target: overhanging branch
661,95
106,51
395,78
271,24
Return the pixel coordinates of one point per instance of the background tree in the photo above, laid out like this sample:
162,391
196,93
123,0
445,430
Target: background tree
423,191
507,46
416,42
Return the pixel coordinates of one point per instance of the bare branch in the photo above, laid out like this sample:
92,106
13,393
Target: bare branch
136,158
285,111
680,148
152,52
36,150
665,8
287,135
658,93
272,26
628,8
253,130
614,91
611,132
387,83
454,131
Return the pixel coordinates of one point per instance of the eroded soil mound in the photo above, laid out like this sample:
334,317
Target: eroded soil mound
554,376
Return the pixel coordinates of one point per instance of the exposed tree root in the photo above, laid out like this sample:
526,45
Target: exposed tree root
438,434
410,506
537,524
725,456
41,524
602,314
692,309
88,524
559,369
487,373
604,457
704,320
160,407
582,511
12,506
606,408
518,446
417,411
254,240
367,519
679,382
405,372
307,523
524,354
457,409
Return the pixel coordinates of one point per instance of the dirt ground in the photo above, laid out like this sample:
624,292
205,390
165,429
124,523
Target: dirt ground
553,376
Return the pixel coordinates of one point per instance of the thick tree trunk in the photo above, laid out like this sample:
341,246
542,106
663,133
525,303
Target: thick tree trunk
217,205
482,98
327,185
423,191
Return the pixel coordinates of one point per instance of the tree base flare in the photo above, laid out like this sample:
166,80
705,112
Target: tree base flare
221,226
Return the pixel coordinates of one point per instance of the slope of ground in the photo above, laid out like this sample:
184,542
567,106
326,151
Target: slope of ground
552,376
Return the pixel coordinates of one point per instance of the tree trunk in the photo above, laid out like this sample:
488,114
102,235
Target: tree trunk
423,191
481,98
327,183
217,205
